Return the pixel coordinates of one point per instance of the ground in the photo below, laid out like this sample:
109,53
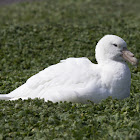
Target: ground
7,2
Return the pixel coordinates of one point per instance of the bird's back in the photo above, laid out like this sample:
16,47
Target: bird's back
63,81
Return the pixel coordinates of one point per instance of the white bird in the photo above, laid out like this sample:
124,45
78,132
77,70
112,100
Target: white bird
79,80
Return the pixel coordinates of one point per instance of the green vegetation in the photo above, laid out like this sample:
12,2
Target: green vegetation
36,35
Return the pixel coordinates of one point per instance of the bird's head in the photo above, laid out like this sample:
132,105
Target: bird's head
112,47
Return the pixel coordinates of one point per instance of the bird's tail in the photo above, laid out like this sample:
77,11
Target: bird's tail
4,97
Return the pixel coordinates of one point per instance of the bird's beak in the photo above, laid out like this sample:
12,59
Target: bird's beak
128,56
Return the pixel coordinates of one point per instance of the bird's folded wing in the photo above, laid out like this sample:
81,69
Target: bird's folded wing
72,74
66,73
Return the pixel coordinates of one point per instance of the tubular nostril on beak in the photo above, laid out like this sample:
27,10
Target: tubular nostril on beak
131,54
127,52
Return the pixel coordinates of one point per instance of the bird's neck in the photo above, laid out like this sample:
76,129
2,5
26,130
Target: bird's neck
115,67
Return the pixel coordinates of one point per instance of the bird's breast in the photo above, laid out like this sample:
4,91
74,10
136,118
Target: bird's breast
116,80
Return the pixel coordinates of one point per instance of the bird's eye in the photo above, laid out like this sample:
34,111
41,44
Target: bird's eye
115,45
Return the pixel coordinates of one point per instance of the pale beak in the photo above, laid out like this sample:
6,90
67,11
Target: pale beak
128,56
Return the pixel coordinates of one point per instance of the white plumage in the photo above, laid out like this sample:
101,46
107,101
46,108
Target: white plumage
79,80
